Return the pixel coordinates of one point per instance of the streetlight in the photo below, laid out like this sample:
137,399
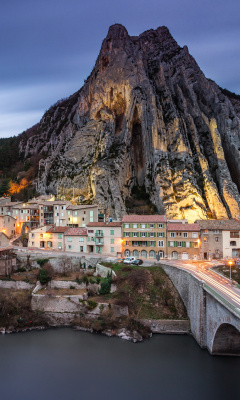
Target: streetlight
230,264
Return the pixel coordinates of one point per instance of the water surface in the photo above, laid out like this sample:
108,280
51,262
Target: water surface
64,364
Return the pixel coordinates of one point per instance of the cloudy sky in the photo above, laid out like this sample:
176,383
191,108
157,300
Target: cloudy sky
48,48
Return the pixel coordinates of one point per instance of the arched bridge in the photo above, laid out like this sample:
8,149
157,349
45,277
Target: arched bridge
215,322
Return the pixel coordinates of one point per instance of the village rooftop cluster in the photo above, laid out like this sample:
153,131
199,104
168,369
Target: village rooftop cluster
47,223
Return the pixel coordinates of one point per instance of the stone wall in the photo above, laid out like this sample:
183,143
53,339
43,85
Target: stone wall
16,285
167,325
193,295
104,271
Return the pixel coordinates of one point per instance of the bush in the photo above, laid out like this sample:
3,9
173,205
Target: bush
44,276
72,287
79,281
98,279
42,261
21,269
85,279
92,280
92,304
105,287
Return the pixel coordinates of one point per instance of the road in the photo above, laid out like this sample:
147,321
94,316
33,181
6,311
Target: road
218,283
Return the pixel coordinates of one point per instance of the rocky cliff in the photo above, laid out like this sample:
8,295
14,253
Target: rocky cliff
146,118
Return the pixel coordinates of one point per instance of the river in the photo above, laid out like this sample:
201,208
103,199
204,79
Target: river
64,364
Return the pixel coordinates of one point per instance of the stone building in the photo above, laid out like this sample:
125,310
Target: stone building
8,225
81,215
183,241
219,238
7,261
144,236
104,238
75,240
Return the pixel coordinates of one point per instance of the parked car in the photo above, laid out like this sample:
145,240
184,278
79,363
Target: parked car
138,261
129,260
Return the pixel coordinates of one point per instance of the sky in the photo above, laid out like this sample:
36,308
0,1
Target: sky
48,47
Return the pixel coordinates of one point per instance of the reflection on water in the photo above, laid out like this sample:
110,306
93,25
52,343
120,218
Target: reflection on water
63,364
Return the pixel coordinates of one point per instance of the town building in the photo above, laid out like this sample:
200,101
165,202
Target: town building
8,225
219,239
39,238
55,237
144,236
104,238
81,215
54,212
183,241
7,261
75,240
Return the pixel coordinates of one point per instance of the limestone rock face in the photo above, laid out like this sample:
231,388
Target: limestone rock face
146,116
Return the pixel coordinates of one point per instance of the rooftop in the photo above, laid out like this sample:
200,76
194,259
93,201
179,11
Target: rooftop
76,232
81,206
144,218
58,229
104,224
223,224
183,227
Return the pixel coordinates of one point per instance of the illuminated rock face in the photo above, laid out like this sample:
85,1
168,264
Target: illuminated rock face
145,116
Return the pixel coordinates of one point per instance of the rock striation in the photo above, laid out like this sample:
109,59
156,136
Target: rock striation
146,117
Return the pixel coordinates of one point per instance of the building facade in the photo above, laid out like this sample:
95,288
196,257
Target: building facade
8,225
75,240
183,241
81,215
104,238
144,236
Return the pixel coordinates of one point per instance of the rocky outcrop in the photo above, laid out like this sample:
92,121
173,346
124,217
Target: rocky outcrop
146,117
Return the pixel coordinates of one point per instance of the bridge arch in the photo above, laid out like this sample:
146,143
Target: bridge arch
226,340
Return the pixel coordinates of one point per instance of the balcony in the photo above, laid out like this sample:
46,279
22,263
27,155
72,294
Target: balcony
100,243
98,234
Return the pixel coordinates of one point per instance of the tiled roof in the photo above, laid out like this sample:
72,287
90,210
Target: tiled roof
183,227
12,203
224,224
104,224
144,218
6,248
55,203
81,206
58,229
76,232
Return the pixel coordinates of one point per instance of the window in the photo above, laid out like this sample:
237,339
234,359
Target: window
112,241
160,234
135,226
69,239
60,236
216,232
205,239
152,254
83,219
233,243
69,247
90,231
134,234
216,239
195,244
179,244
56,208
32,243
59,245
160,243
112,249
234,234
126,226
81,239
185,234
152,244
152,234
143,234
127,234
171,244
75,212
160,226
151,226
126,243
143,243
143,226
205,231
41,235
32,235
49,244
187,244
179,233
111,232
62,214
91,215
195,235
69,212
172,234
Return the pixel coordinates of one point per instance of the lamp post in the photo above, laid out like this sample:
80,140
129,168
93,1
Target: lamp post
230,264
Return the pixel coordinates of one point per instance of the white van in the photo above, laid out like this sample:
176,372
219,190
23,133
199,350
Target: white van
129,260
